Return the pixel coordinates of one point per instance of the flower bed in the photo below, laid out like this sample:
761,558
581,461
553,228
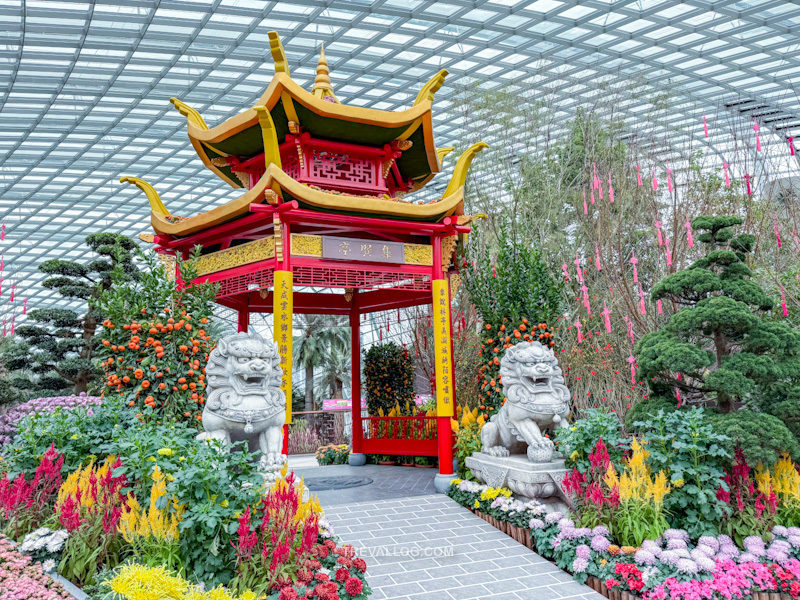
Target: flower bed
23,579
333,454
11,419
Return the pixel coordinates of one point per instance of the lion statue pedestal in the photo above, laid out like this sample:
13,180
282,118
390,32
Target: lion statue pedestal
244,398
516,454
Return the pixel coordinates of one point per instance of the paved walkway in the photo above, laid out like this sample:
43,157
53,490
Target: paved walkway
421,545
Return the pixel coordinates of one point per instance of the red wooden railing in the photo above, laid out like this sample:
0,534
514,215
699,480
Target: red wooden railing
409,436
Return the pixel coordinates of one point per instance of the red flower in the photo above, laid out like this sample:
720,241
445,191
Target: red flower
360,564
342,574
345,562
330,544
288,593
353,586
321,551
322,577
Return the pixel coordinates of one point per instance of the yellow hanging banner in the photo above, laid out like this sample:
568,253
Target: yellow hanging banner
282,312
441,348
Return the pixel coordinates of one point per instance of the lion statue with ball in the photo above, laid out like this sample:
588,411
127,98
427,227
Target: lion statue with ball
244,399
536,399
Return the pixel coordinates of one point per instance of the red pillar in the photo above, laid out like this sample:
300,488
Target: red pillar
244,320
443,429
355,347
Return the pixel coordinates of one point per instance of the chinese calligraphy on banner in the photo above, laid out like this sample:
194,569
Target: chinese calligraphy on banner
441,342
283,309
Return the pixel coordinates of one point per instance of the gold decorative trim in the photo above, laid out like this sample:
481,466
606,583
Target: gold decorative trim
306,245
278,230
170,265
448,246
455,282
148,238
237,256
418,254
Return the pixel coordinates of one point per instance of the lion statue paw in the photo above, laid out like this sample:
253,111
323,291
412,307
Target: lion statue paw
498,451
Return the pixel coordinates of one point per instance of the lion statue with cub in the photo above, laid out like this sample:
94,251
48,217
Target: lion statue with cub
537,400
244,399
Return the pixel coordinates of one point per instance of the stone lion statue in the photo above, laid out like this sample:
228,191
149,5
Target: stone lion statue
244,398
537,399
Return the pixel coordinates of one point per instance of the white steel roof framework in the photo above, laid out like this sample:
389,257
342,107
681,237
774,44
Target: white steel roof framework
85,86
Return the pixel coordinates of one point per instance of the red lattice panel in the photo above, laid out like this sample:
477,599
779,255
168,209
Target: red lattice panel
360,278
290,165
342,167
240,284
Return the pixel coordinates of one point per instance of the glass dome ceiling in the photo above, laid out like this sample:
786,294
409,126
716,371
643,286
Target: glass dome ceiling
85,86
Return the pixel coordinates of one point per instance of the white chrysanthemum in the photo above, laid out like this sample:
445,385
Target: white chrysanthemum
48,565
42,531
39,544
54,544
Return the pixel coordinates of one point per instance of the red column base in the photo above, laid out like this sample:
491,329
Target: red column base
285,440
443,433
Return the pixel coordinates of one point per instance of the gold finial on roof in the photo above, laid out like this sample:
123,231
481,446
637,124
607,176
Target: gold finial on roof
322,87
278,53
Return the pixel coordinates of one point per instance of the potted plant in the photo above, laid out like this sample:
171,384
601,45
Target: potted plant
386,460
407,461
424,462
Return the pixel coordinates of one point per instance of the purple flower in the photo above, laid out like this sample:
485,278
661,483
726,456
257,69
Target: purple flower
754,545
651,545
600,543
686,565
704,563
553,517
583,551
710,541
676,534
793,530
536,524
725,540
644,557
794,540
566,524
780,530
670,557
676,544
702,550
10,420
579,565
777,555
746,557
601,530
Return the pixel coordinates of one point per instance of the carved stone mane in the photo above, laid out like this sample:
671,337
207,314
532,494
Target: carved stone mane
234,357
531,370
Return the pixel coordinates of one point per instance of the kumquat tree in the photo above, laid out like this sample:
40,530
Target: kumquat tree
156,342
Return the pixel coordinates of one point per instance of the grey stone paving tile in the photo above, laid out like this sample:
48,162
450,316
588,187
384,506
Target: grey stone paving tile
401,590
420,576
544,593
536,581
469,591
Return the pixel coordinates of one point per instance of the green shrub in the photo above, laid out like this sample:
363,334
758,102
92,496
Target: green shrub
388,377
333,455
577,441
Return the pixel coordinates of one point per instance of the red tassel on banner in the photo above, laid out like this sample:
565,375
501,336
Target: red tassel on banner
658,230
705,125
783,304
610,189
578,327
669,253
3,232
660,309
597,256
639,176
387,324
655,181
606,320
689,232
633,261
756,127
642,307
749,189
13,290
727,177
669,180
380,333
791,145
591,195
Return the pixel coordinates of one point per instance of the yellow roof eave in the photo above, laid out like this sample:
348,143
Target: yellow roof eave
276,180
283,84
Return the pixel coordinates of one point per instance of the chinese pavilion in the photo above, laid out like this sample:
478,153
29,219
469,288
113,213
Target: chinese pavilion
328,203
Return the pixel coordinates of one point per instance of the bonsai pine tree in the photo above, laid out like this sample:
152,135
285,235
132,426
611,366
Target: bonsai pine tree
720,347
516,296
60,342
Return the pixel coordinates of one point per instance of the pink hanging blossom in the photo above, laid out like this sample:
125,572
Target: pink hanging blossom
688,226
705,125
655,181
13,318
577,262
669,180
756,127
642,308
791,145
2,261
595,179
591,196
678,396
600,188
658,231
749,189
597,256
585,206
606,320
3,232
586,304
783,303
777,229
566,273
727,177
25,306
632,361
668,251
578,327
639,176
610,189
629,323
660,308
633,261
13,290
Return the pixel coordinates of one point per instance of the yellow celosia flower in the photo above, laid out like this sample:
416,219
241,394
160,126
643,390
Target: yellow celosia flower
454,425
481,421
156,523
660,488
611,479
786,480
763,480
